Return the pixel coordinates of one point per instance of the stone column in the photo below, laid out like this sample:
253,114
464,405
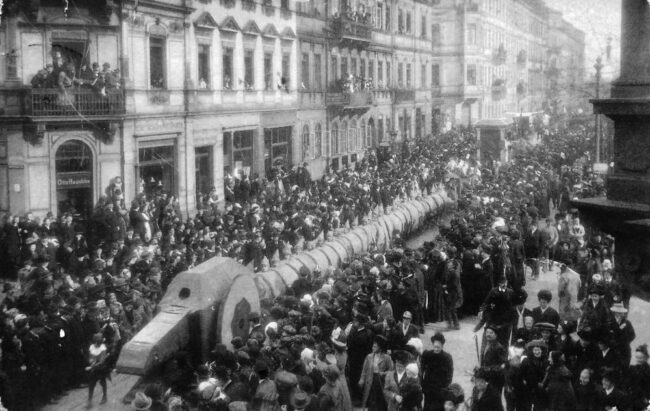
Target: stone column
635,42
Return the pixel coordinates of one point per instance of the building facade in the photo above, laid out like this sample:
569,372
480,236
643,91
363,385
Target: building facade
208,88
204,90
494,57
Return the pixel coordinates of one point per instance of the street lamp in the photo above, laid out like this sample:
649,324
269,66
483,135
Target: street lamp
598,66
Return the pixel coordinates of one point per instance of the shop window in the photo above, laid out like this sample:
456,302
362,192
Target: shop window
238,151
157,62
156,168
277,144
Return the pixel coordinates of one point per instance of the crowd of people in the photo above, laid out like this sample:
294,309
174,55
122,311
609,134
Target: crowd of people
340,336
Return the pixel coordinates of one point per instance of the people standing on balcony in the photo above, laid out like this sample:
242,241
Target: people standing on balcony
42,78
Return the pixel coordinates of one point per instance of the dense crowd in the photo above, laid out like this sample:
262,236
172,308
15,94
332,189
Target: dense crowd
340,336
73,282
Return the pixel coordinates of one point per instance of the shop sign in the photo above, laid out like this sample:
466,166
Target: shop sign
81,179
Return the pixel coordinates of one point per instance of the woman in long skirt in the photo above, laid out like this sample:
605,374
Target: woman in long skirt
375,366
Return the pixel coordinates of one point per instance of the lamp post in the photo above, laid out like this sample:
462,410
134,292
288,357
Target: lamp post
598,66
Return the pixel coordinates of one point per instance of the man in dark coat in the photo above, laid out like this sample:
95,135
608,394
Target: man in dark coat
303,176
517,259
533,247
11,244
406,329
359,344
485,397
521,312
497,311
452,292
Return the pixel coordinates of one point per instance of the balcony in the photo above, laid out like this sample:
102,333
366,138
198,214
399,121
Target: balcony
382,96
75,102
356,103
404,95
351,33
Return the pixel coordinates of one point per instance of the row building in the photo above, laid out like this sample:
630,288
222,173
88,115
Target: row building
180,96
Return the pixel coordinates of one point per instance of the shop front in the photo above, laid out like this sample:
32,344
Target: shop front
74,179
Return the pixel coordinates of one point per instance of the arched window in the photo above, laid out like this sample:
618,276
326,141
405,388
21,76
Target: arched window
334,139
318,141
305,142
352,137
343,137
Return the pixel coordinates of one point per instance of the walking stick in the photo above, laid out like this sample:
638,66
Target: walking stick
478,356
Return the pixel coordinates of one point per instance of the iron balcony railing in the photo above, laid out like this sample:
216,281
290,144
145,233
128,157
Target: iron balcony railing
72,102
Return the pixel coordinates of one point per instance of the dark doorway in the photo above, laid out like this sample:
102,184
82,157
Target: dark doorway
74,179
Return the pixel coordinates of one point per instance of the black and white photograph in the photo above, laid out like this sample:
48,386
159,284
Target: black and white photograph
324,205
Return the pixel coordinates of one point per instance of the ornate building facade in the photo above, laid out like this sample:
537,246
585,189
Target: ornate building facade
194,92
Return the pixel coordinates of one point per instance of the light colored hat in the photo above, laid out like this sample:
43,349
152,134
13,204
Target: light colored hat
618,308
607,264
141,402
408,315
413,368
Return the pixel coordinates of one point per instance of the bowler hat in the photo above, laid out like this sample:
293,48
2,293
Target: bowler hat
299,400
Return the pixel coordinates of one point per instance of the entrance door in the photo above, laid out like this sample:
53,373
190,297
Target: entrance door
74,179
